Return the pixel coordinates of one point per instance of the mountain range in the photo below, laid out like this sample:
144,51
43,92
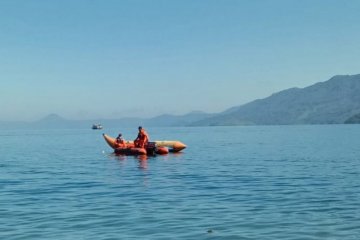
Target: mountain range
330,102
334,101
55,121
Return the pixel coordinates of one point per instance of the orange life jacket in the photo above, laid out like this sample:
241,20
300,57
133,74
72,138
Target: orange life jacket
142,139
120,143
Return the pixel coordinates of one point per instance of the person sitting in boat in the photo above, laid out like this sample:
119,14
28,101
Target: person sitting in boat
120,142
142,138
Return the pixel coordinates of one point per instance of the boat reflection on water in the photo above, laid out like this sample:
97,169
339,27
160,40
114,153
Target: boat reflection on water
121,157
142,161
177,154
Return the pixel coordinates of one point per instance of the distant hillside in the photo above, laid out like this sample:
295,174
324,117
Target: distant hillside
333,101
54,121
353,119
167,120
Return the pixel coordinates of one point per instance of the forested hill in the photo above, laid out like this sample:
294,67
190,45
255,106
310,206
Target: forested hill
329,102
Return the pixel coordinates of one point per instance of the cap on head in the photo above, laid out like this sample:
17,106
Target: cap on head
140,127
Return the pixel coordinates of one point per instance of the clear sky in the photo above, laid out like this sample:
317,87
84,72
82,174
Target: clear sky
85,59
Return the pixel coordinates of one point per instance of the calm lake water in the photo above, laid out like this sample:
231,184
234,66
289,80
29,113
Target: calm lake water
258,182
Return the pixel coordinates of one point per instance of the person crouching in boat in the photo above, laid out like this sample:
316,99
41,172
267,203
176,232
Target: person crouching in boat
142,138
120,142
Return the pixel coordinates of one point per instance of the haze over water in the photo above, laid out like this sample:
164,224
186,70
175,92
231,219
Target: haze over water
259,182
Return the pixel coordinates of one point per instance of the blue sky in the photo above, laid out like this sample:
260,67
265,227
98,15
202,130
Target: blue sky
85,59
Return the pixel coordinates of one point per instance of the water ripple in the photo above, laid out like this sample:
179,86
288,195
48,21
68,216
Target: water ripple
258,184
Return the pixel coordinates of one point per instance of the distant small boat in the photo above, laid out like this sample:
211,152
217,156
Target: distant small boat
97,126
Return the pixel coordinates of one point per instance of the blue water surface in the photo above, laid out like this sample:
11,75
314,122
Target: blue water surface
254,182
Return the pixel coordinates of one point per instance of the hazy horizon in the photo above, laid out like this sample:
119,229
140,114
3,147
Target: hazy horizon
340,79
115,59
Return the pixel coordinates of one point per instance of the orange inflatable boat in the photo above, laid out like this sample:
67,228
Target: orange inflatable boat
155,147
